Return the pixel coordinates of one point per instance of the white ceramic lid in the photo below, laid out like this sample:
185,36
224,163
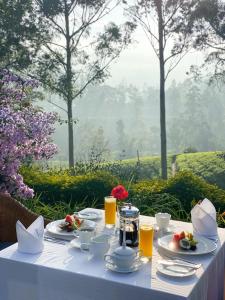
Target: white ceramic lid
124,251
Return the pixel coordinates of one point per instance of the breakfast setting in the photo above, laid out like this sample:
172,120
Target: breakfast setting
119,249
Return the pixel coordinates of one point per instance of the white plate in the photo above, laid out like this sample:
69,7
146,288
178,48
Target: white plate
114,268
89,214
175,271
54,228
204,246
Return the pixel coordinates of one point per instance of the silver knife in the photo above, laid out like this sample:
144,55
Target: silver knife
176,263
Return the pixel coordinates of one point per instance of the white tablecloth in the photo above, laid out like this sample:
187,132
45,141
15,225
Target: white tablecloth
64,273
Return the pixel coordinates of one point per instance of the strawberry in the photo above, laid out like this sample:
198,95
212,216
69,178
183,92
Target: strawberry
69,219
176,237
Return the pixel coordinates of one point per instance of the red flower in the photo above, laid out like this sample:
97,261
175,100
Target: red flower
119,192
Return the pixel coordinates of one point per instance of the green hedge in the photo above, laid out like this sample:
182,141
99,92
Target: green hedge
55,187
176,195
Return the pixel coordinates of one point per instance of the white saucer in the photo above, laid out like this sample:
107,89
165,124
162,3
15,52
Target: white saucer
114,268
89,214
175,271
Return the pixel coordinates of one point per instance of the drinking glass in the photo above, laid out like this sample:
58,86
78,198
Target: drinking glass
146,233
110,211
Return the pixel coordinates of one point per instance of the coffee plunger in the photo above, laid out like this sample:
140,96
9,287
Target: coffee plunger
129,222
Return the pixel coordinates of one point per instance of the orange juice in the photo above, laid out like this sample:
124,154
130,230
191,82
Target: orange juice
146,240
110,210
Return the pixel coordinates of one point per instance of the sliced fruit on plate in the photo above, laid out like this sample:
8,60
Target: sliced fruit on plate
71,223
185,240
185,244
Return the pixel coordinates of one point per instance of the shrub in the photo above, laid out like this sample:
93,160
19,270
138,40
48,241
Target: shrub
208,165
150,204
189,188
62,187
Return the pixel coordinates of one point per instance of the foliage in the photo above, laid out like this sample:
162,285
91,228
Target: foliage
53,211
20,33
189,188
24,132
208,31
62,187
60,190
208,165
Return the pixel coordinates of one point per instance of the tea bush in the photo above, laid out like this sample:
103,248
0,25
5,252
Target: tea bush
208,165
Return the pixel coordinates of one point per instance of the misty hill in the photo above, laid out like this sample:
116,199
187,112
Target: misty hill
115,122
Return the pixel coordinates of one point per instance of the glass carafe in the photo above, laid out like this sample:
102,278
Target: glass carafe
129,217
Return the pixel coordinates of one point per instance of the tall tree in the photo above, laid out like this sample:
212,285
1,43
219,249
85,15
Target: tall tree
163,21
21,30
77,55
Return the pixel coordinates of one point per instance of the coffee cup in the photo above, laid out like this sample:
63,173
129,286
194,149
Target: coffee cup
85,235
99,245
162,220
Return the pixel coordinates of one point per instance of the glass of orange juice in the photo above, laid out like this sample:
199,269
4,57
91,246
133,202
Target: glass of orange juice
146,233
110,211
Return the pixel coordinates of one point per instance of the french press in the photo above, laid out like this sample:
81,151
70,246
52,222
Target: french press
129,218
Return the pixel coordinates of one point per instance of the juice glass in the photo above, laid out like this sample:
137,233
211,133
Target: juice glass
146,233
110,211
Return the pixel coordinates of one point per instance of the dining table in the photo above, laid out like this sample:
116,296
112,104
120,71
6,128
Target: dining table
64,272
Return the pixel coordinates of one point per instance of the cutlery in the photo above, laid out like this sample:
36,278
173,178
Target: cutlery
176,263
177,271
174,258
55,240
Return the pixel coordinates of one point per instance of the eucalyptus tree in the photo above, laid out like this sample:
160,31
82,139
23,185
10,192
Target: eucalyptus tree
163,22
78,54
208,28
21,30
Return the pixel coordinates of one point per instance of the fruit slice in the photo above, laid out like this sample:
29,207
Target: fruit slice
69,219
182,235
185,244
176,237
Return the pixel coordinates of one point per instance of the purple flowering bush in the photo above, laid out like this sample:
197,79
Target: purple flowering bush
25,132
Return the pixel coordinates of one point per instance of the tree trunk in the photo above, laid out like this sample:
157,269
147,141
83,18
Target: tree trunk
69,88
70,134
162,95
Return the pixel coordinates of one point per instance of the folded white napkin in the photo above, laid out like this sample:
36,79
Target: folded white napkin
203,217
30,240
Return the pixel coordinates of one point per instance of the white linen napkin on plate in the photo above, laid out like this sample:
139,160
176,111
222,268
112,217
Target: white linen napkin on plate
203,217
31,240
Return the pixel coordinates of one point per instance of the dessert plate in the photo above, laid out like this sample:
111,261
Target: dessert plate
53,228
175,271
89,214
204,246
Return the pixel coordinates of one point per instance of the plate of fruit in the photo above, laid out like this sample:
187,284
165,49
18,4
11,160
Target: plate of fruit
69,225
186,243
